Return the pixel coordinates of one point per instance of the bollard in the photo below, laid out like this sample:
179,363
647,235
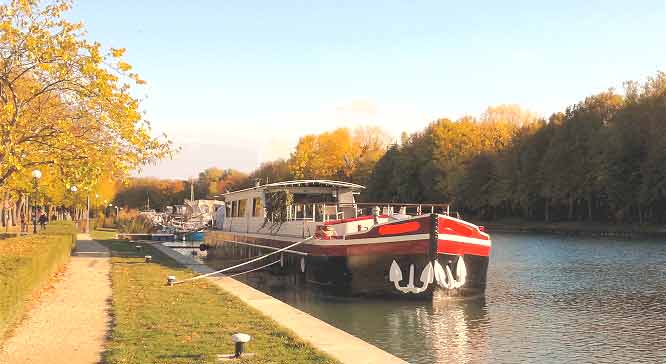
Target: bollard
239,340
138,247
148,258
171,280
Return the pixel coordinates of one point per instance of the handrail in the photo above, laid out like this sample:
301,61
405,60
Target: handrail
317,211
407,204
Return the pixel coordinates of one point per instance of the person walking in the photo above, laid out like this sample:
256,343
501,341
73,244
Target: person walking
43,219
24,223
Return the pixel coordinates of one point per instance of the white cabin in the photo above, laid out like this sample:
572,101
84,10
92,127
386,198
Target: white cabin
315,202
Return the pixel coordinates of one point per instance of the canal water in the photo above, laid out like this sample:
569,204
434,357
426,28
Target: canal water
550,299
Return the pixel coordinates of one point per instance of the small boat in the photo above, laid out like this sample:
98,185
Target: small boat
352,248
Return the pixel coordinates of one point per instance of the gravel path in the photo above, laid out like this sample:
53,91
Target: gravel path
69,324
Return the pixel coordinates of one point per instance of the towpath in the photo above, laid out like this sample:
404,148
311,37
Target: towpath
70,322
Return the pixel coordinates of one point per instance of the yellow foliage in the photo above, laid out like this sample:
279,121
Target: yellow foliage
124,66
339,154
117,52
64,111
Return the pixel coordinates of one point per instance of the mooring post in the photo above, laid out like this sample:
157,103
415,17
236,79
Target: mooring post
239,340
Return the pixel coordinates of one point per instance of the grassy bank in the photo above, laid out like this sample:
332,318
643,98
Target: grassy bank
103,234
188,323
26,264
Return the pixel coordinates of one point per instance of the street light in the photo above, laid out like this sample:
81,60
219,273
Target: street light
96,206
74,189
36,175
87,210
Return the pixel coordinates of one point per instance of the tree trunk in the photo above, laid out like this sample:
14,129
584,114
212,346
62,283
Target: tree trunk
589,206
547,210
4,210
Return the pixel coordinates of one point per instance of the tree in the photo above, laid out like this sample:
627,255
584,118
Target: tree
63,102
269,172
510,114
339,154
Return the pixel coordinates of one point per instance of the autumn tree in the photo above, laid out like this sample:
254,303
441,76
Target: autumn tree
64,101
271,171
509,113
339,154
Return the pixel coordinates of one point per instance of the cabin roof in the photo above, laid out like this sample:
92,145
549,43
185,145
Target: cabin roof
303,183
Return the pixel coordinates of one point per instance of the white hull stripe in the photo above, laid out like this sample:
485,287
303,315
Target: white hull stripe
464,239
384,239
378,240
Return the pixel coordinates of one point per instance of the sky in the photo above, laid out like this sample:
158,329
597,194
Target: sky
235,83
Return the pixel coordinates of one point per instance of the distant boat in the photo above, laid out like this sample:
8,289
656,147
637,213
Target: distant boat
351,248
190,217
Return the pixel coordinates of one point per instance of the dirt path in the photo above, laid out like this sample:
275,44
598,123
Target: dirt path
70,323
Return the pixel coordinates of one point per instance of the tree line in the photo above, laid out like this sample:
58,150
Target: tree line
602,159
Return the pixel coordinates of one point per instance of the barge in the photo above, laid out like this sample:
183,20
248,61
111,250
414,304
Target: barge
352,248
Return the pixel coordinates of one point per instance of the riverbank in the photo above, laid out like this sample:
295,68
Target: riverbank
333,341
188,323
575,228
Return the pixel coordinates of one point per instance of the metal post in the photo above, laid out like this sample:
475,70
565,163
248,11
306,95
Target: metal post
88,214
34,218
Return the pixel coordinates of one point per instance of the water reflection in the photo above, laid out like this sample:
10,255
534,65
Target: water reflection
550,299
444,330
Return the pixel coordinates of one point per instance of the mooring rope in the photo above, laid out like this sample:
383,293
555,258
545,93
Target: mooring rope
242,264
255,269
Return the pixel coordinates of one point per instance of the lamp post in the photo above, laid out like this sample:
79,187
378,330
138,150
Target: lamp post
115,218
36,175
74,189
87,211
95,213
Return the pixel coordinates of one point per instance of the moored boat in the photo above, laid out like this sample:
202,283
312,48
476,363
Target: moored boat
351,248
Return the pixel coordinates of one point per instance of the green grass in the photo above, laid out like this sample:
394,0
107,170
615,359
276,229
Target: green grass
26,264
188,323
103,234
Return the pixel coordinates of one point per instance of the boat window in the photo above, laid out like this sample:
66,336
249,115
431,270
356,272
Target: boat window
256,207
234,208
310,198
241,207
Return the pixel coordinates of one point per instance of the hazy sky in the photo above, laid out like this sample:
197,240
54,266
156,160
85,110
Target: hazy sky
237,82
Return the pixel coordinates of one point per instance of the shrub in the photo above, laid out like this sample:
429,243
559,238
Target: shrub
135,225
27,263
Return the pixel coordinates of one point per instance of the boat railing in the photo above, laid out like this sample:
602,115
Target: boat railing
322,212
